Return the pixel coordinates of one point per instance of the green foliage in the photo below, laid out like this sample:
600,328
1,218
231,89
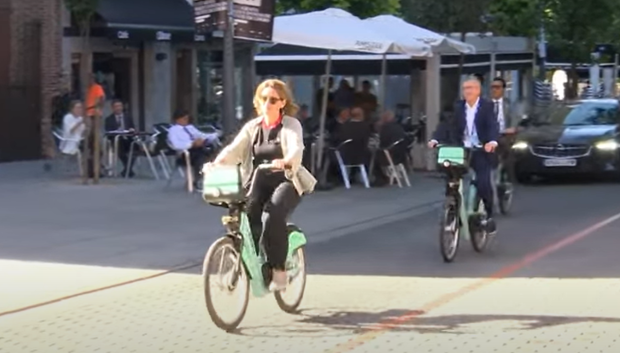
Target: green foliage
82,11
445,15
515,17
575,26
360,8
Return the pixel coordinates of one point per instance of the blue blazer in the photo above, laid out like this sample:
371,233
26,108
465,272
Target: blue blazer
452,130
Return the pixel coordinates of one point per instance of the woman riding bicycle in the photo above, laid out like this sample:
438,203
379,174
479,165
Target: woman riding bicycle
274,137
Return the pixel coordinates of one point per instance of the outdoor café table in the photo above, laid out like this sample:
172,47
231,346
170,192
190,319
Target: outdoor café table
113,158
138,138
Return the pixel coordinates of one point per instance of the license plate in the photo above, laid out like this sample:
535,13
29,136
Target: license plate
560,162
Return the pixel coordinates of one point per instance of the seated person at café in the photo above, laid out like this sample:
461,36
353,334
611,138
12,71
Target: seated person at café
184,136
308,123
333,126
118,121
310,127
73,128
389,131
357,129
366,100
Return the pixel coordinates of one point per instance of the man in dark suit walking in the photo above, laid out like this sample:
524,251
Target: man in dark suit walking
474,124
121,122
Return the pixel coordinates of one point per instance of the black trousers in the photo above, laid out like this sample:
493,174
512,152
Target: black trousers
504,152
482,164
276,197
197,158
124,146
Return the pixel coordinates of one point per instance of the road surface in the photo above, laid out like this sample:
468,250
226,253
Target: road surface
549,284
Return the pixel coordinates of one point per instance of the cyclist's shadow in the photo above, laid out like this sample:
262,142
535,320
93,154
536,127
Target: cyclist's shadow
336,322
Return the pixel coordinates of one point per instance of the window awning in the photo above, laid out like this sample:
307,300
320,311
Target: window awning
156,20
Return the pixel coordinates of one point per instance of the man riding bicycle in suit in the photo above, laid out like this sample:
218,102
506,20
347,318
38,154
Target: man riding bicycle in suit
474,124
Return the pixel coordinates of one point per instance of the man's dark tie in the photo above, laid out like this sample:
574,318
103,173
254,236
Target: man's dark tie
496,107
188,133
119,121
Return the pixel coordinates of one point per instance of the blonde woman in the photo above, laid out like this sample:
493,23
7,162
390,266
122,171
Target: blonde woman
274,137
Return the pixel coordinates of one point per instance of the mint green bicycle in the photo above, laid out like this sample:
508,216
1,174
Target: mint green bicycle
240,261
463,213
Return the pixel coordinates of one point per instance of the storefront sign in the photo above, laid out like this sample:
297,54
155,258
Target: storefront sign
253,18
200,38
163,36
122,35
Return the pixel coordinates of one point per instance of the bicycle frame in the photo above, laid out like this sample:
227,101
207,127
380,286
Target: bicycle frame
467,197
238,225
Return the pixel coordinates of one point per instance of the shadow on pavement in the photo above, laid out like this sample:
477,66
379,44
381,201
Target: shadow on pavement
327,322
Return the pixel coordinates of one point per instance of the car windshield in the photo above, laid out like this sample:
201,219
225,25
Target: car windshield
593,113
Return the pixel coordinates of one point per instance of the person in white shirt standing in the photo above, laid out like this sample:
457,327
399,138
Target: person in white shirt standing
185,136
73,128
506,121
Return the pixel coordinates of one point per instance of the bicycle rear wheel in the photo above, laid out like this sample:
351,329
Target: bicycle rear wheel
230,276
449,230
290,299
505,193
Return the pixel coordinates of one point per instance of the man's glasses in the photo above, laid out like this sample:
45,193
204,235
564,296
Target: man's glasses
271,100
496,86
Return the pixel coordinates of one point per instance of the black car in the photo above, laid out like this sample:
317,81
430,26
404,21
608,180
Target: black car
585,140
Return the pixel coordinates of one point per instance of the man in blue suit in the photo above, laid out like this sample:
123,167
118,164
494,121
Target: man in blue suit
474,124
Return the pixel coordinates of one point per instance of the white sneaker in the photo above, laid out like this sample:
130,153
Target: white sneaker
279,281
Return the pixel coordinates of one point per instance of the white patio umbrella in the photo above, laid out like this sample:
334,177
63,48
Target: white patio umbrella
336,29
395,27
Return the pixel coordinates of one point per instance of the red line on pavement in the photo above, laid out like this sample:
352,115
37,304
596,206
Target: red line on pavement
95,290
385,326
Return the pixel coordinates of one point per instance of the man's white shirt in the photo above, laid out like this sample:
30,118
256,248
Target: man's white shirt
500,113
470,137
181,137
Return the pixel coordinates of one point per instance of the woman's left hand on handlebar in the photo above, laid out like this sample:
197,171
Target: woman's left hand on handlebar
279,164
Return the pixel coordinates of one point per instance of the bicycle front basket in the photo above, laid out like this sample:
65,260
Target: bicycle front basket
222,184
453,155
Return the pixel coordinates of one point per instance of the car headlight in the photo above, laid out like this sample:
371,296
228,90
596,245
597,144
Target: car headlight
609,145
519,145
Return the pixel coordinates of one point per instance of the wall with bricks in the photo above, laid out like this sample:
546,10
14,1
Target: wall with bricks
36,54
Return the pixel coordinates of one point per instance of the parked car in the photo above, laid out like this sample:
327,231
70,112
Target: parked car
584,140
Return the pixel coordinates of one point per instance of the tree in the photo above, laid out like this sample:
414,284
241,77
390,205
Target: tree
515,17
360,8
575,27
445,16
83,12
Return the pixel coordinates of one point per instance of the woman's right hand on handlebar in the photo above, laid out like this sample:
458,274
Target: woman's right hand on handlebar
432,143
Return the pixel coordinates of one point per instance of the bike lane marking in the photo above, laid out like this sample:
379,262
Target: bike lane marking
99,289
387,325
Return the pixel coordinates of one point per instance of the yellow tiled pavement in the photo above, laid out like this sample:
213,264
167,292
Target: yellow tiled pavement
167,314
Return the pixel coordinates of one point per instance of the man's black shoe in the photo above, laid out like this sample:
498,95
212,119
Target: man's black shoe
491,227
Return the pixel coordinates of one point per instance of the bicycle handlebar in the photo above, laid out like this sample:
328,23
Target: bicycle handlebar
474,148
272,166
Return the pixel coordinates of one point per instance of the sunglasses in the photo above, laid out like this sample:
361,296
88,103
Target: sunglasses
271,100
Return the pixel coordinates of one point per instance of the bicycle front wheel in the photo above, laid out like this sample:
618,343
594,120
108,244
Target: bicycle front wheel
224,277
449,230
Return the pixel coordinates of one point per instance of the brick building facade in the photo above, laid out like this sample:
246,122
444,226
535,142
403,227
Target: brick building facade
30,75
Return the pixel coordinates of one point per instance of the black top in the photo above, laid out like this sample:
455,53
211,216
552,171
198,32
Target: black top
266,148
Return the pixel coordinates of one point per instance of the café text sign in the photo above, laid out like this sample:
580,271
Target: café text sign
253,18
